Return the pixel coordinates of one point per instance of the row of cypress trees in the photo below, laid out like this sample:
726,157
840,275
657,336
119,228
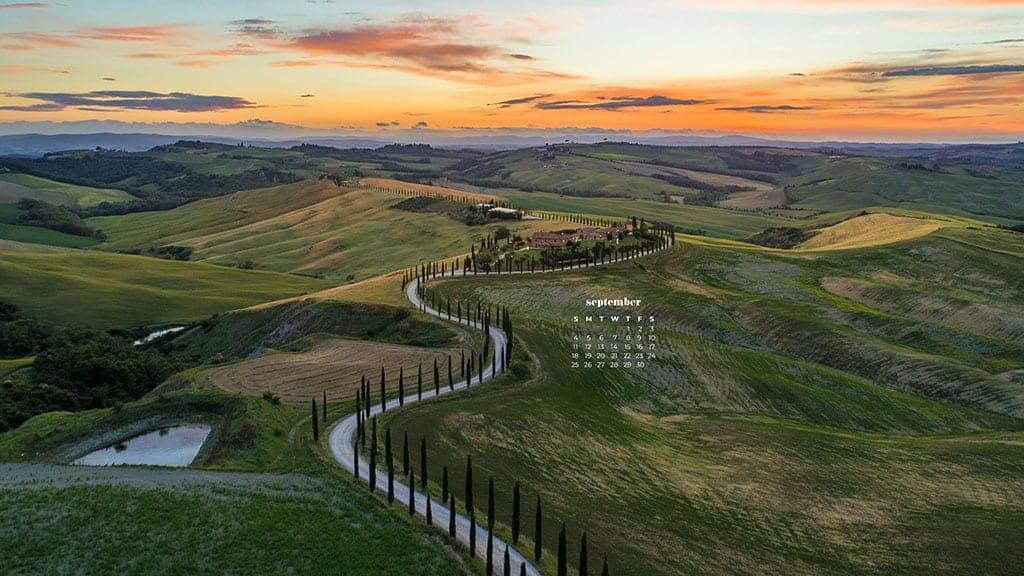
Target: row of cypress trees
448,497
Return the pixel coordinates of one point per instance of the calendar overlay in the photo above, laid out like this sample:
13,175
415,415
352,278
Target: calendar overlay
613,334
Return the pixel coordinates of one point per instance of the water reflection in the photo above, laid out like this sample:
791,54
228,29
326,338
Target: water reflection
171,446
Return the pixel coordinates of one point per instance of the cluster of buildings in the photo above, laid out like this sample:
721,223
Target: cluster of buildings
559,240
499,212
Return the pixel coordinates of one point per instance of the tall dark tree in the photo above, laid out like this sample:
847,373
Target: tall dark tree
383,391
515,514
582,570
355,459
437,379
389,462
507,571
430,514
451,517
444,483
423,463
469,484
604,569
490,552
490,503
373,456
316,423
472,534
522,567
538,536
563,559
419,381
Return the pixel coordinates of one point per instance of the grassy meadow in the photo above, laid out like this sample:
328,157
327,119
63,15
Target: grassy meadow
790,424
116,290
310,228
73,194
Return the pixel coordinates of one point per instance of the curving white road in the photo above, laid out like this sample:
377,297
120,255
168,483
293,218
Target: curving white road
342,443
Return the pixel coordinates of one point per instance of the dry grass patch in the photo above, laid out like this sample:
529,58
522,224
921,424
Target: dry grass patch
872,230
334,366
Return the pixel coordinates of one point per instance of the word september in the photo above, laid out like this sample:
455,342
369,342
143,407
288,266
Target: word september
612,302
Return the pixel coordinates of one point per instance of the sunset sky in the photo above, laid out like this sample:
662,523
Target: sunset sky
870,70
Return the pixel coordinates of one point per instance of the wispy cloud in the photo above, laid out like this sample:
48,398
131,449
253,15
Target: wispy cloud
956,70
24,5
256,27
764,109
107,100
618,103
523,100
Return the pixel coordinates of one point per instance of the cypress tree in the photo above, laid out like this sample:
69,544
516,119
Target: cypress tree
537,534
490,503
469,484
604,569
423,463
444,483
373,456
472,534
383,391
401,386
355,459
515,514
366,396
389,462
451,517
419,381
316,423
583,556
430,515
563,560
508,563
490,552
437,379
412,493
522,567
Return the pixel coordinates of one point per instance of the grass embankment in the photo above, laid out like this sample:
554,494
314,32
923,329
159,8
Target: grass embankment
311,227
165,519
717,222
8,365
114,290
12,231
62,192
778,420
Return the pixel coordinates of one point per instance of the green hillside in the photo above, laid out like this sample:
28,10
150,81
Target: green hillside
790,406
116,290
80,196
311,227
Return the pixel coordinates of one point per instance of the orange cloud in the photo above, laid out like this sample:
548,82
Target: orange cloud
445,47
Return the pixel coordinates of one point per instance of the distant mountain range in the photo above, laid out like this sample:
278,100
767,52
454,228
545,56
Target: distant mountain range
37,138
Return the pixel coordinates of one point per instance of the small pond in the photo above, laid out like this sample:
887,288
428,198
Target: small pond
172,446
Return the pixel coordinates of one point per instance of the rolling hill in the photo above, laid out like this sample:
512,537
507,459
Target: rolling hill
313,227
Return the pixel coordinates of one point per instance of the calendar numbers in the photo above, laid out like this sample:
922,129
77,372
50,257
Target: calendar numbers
612,340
